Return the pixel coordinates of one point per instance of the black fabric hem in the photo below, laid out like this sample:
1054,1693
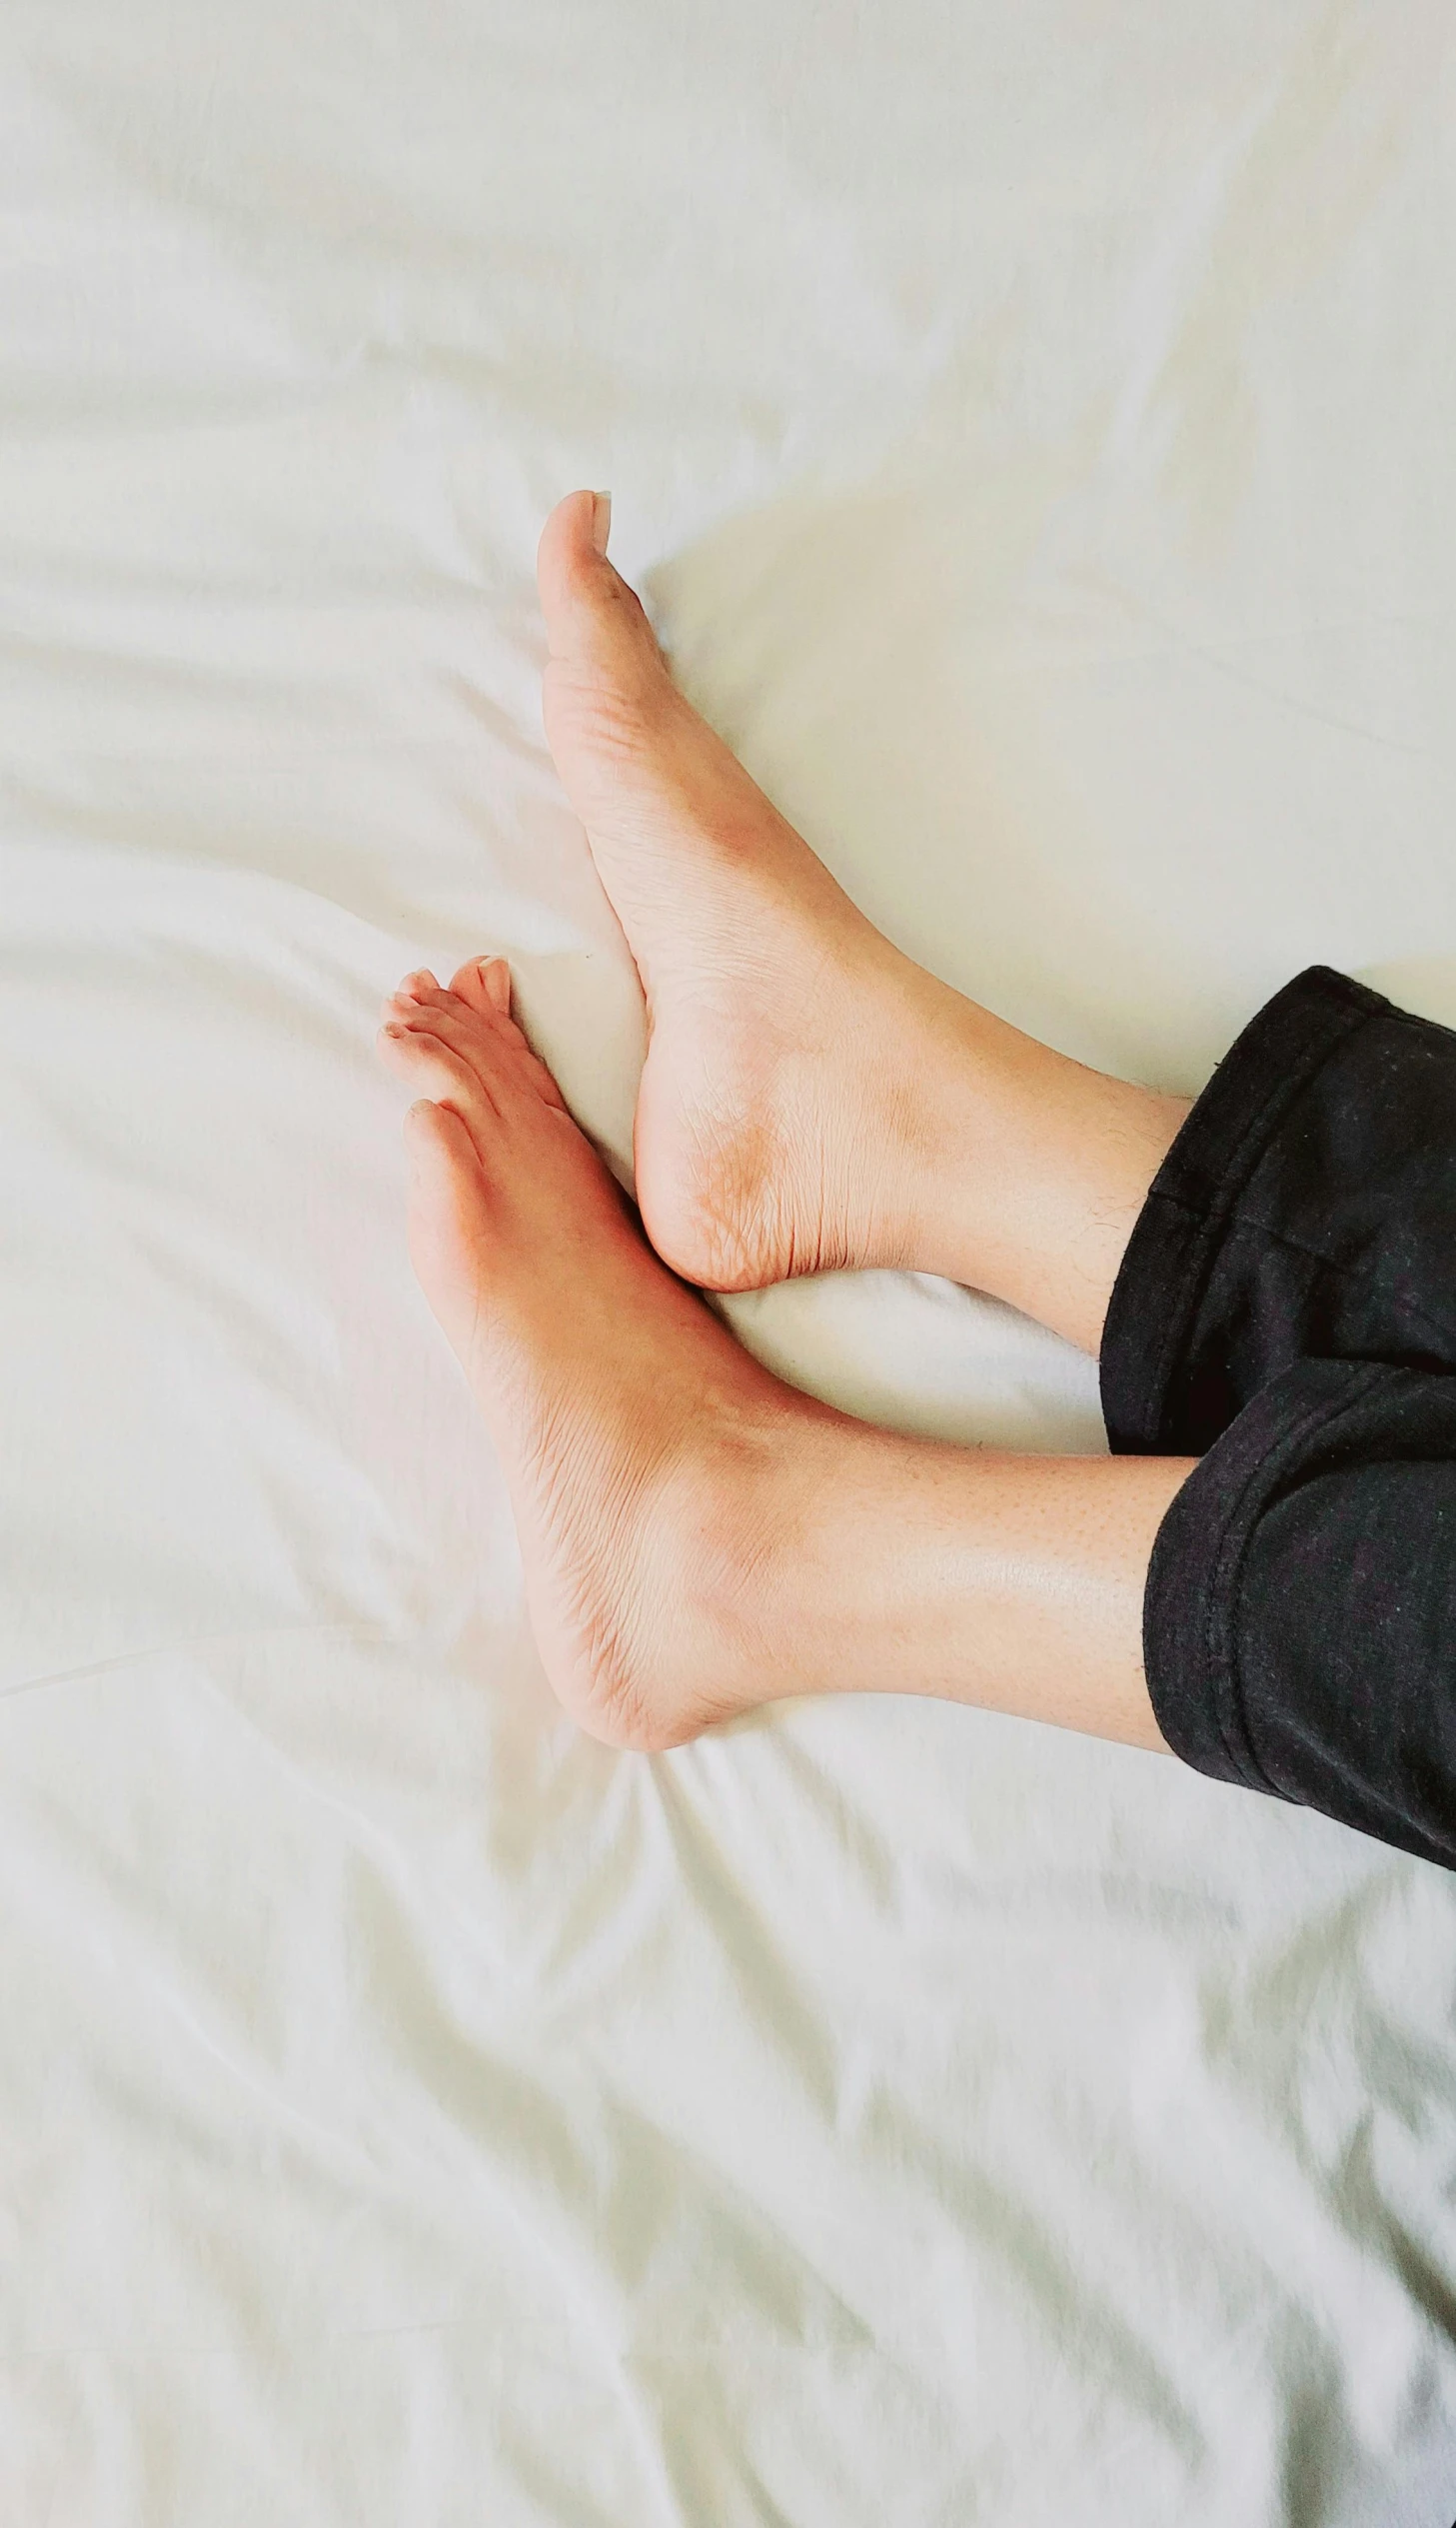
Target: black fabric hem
1192,1595
1299,1615
1177,1237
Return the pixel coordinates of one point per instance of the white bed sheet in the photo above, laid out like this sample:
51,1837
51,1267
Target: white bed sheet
1033,427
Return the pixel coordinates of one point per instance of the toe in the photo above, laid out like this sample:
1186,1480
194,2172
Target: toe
490,1048
437,1069
496,975
594,621
441,1151
485,984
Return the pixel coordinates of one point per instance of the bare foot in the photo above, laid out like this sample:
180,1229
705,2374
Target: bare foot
697,1537
761,1151
644,1450
811,1098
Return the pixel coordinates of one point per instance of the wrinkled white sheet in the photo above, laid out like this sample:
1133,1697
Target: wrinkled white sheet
1034,427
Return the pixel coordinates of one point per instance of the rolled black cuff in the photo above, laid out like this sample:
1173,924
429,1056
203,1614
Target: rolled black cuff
1164,1392
1299,1618
1287,1315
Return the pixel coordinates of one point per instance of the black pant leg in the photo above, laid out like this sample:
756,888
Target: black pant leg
1299,1620
1306,1210
1286,1311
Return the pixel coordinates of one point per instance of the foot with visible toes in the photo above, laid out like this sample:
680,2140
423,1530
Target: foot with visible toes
697,1537
647,1454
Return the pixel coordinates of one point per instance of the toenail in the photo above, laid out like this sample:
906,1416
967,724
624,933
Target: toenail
495,975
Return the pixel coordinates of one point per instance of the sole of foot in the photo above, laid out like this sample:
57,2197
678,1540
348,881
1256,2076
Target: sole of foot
788,1119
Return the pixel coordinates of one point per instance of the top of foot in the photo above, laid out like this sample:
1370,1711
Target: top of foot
648,1455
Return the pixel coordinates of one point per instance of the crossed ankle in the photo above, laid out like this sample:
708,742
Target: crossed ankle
1032,1170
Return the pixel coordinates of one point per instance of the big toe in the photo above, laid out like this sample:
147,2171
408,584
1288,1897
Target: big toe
594,623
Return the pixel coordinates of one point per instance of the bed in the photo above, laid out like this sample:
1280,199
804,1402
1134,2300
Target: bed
1031,429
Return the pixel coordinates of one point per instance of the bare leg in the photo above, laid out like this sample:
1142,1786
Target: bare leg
699,1538
811,1098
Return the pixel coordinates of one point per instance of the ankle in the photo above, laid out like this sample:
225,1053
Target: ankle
708,1548
1033,1171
